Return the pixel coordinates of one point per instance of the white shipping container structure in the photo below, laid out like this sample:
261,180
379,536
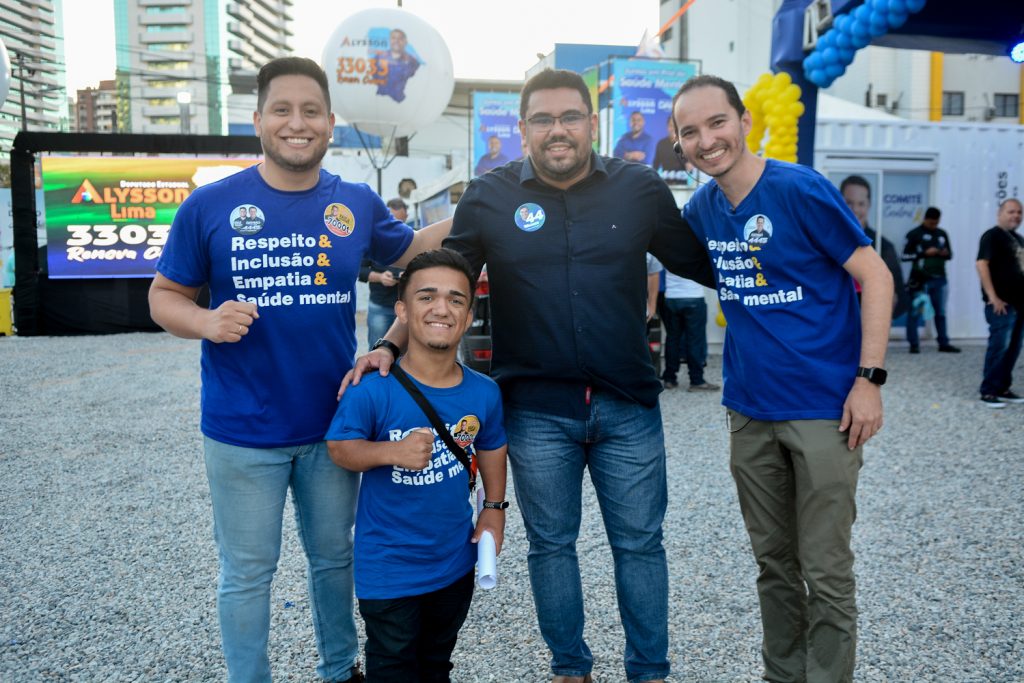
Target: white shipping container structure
964,169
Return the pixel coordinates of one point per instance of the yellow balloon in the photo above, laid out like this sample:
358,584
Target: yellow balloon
782,79
797,109
720,318
763,81
791,93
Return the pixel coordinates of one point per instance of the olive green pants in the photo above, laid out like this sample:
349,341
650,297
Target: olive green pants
797,485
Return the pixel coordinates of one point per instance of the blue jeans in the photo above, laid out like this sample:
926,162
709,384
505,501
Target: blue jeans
936,289
1004,344
378,320
623,446
248,487
685,321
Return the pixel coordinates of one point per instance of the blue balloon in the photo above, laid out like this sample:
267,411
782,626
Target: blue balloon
813,61
818,78
862,13
842,23
860,40
879,25
846,56
830,55
898,7
844,41
826,40
880,6
896,20
915,5
834,71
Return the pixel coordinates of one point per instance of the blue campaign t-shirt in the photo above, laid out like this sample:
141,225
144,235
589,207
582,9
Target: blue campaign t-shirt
413,527
793,334
296,255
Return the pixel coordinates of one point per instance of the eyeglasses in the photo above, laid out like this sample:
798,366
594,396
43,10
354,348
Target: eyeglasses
542,123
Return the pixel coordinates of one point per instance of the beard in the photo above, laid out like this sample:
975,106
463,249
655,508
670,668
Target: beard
439,346
565,168
296,166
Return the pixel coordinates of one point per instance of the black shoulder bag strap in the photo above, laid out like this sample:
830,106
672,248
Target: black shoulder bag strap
435,422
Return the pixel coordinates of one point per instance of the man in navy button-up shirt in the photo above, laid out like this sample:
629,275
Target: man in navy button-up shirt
564,234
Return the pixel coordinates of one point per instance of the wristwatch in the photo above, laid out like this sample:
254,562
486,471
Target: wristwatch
390,346
492,505
873,375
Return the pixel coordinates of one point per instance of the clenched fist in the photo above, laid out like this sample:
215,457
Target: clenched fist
230,321
414,451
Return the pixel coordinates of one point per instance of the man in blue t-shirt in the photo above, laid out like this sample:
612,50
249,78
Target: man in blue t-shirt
414,529
277,339
635,144
802,406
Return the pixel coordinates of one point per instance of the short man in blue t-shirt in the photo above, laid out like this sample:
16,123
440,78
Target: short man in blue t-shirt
278,337
801,408
414,530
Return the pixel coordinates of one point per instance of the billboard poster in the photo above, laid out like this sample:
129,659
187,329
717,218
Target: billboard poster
108,217
496,138
7,234
641,98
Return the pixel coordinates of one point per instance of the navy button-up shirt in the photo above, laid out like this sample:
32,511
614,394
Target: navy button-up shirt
568,278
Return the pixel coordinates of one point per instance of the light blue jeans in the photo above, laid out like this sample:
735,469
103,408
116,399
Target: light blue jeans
248,487
623,446
378,322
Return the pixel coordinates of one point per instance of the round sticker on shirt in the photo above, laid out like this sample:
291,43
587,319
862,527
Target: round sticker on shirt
529,217
339,219
465,429
247,219
758,231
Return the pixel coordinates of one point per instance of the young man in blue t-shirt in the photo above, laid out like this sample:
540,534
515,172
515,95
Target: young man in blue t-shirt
802,371
414,551
279,245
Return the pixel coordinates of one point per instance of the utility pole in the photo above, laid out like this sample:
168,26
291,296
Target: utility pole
20,59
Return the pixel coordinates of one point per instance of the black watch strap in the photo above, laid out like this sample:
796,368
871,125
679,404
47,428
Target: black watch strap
495,505
873,375
390,346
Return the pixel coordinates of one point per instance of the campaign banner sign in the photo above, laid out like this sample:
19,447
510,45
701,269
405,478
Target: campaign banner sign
641,98
108,217
496,139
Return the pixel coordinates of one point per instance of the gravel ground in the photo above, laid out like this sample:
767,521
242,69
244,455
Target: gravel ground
107,564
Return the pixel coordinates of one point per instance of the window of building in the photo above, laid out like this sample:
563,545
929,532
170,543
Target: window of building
1007,104
161,101
952,103
167,84
666,36
168,66
168,47
162,28
165,120
164,10
881,100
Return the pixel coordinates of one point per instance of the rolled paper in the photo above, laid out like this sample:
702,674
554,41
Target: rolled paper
486,562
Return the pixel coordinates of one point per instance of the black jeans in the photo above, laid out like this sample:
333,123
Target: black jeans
411,639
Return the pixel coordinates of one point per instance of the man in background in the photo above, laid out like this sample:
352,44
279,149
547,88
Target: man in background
928,248
382,281
1000,267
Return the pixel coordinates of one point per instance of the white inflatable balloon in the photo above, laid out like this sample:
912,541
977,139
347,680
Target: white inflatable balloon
5,73
390,72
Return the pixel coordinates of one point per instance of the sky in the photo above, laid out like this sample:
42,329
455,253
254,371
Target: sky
493,39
